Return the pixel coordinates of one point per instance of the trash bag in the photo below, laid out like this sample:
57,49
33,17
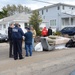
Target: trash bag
39,47
70,43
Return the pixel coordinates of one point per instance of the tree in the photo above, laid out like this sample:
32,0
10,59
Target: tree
35,20
13,9
3,13
20,8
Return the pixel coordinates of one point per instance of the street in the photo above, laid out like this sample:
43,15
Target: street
57,62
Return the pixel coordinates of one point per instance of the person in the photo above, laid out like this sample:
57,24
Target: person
23,36
17,34
19,26
10,40
44,32
28,42
34,35
49,31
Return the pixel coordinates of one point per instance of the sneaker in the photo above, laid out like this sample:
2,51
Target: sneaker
30,55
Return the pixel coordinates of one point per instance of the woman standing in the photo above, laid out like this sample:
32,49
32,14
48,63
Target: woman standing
34,35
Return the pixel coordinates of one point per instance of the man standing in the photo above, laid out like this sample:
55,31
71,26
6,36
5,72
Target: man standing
10,40
49,31
28,42
17,35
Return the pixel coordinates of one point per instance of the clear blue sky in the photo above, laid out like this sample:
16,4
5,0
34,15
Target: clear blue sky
33,4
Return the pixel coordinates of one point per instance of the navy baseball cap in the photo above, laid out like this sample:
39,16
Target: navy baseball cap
28,28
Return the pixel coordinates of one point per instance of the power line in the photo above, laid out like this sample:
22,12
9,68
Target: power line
43,1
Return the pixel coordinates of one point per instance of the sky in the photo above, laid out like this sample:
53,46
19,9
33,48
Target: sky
34,4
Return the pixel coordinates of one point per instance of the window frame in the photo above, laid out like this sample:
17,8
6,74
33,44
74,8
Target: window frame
47,10
42,12
58,8
4,26
0,26
53,22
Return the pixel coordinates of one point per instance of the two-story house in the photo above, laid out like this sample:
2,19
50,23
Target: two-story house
58,15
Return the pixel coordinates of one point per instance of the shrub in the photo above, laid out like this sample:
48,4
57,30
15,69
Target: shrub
57,33
38,33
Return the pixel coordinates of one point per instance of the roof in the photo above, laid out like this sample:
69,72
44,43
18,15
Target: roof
17,17
58,4
69,14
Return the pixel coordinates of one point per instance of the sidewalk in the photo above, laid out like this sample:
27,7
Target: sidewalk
36,64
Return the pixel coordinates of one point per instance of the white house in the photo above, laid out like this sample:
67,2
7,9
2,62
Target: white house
22,19
58,15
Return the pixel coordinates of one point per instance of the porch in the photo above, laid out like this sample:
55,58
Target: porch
68,22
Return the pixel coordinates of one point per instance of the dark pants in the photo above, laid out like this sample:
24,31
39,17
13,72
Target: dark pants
17,49
10,48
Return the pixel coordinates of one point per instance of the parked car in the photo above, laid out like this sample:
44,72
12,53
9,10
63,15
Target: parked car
3,37
68,30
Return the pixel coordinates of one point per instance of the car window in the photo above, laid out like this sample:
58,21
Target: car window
65,29
70,28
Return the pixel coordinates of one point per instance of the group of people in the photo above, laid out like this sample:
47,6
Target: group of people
46,32
16,36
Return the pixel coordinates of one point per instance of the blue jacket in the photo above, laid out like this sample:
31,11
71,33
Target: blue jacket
17,33
28,38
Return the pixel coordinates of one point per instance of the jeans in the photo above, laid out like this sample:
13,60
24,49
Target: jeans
28,49
33,44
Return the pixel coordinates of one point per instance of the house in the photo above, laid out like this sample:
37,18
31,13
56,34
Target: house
58,15
22,19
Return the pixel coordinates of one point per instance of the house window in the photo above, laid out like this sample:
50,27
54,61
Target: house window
71,21
58,7
46,10
52,22
25,25
43,17
4,26
63,7
0,27
72,8
42,12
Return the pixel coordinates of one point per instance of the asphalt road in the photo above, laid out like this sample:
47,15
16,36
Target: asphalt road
4,51
57,62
